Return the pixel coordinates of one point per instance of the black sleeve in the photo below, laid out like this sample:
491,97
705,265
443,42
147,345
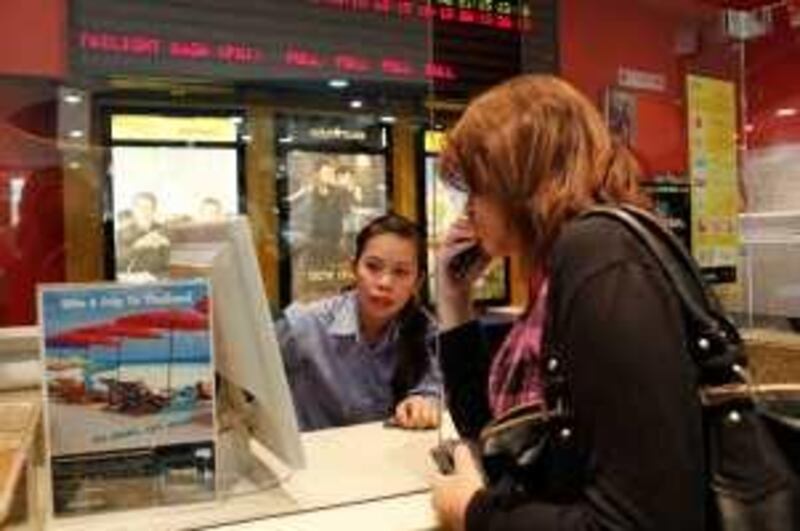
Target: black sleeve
635,409
465,363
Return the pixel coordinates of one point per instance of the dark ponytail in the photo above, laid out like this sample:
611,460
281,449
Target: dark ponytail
412,350
412,354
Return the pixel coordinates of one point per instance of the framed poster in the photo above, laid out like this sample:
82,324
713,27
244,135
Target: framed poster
128,395
333,179
166,169
620,108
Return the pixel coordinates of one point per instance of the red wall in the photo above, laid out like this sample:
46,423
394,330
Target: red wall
632,34
33,53
636,34
33,38
773,82
629,33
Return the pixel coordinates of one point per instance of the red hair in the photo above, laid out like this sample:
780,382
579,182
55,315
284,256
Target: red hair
540,148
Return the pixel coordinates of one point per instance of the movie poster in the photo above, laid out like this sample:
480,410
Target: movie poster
165,170
129,395
158,186
330,197
621,114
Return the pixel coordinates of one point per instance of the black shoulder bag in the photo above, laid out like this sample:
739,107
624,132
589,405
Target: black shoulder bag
752,449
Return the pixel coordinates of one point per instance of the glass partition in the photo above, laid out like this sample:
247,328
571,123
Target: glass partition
769,150
303,118
312,118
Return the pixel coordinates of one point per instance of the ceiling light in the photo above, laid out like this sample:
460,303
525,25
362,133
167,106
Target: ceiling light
786,112
387,119
72,98
356,104
338,83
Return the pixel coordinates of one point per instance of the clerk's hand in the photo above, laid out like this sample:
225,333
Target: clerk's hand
417,412
452,493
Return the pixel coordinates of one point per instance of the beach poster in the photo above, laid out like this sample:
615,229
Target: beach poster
128,394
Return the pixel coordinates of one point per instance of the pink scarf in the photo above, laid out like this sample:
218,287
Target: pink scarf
514,377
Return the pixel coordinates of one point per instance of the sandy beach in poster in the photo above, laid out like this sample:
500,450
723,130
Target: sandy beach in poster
81,427
94,427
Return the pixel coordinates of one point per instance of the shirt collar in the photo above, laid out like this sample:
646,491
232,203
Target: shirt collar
345,321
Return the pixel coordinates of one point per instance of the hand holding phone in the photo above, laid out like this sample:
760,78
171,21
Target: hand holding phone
442,455
460,264
460,261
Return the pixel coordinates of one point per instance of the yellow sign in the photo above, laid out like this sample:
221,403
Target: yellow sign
174,128
714,171
714,177
434,141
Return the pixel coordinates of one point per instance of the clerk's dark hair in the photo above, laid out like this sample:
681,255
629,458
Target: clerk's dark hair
412,355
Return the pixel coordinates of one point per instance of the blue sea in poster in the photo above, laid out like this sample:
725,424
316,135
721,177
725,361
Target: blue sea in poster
127,366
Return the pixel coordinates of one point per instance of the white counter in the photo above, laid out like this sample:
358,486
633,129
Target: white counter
368,475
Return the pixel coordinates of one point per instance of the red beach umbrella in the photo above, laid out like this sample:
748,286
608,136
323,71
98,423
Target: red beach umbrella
168,319
80,340
121,331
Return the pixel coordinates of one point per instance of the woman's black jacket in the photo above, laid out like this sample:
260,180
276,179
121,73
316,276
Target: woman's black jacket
617,330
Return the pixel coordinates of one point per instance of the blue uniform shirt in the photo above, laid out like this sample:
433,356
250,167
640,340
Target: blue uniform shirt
336,377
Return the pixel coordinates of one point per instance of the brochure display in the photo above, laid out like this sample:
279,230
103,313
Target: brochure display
129,395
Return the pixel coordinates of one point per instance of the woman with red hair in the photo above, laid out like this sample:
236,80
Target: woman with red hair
603,330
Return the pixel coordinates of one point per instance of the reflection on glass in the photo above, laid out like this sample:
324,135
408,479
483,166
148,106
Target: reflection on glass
772,279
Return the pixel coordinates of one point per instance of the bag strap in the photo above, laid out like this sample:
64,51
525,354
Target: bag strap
717,346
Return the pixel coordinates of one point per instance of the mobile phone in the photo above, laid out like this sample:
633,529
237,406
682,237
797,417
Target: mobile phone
442,455
461,263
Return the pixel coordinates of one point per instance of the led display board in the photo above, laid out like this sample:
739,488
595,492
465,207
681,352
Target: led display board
447,42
